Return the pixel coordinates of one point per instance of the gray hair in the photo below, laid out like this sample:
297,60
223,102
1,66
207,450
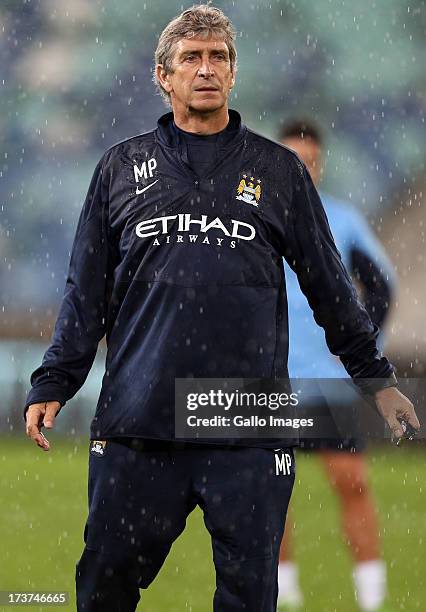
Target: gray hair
199,21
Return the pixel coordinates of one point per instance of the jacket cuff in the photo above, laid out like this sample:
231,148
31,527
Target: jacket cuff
44,394
369,386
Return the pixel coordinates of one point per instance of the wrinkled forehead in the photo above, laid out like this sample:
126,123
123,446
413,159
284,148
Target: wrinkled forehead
200,44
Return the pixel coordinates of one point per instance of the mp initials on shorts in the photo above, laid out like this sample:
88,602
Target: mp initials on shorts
283,463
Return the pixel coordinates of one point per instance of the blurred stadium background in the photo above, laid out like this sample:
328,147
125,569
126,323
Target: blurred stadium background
75,79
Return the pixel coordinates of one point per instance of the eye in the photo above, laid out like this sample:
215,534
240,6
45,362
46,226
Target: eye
190,58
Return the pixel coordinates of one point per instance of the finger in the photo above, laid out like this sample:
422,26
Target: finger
33,424
32,430
49,417
412,419
395,427
34,415
42,442
35,434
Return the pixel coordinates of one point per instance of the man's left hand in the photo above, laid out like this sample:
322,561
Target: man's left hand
394,408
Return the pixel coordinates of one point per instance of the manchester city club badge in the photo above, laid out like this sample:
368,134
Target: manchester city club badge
97,447
249,190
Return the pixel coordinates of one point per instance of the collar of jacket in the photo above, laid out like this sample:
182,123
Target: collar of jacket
230,136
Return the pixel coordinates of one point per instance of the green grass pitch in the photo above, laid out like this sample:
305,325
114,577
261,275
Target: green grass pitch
43,510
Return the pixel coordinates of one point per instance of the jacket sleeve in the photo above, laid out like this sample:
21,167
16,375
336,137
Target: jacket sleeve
311,252
371,267
81,322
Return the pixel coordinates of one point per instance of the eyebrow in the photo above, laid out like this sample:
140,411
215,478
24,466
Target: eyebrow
199,51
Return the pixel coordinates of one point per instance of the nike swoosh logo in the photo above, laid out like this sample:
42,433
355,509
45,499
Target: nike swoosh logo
138,191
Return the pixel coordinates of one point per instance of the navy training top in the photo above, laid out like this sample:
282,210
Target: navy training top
184,276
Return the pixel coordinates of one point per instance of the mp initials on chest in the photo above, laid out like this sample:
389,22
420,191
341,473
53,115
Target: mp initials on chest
145,170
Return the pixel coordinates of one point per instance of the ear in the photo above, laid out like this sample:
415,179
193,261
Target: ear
163,78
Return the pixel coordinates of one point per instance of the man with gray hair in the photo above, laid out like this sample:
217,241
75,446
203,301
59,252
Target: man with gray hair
178,260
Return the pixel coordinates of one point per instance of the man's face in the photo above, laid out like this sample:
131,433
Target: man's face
309,152
201,76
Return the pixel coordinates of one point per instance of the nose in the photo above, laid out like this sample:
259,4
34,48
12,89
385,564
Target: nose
205,70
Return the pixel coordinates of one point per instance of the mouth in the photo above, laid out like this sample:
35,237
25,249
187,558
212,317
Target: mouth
207,88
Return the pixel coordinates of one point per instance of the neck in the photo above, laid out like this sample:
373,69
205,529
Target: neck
202,124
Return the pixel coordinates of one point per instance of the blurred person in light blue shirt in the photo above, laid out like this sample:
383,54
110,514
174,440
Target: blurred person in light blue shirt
366,260
310,358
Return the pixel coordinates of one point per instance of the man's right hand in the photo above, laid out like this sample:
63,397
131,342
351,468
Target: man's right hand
39,415
395,408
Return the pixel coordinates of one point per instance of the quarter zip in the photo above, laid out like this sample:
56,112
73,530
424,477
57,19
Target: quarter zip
169,136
